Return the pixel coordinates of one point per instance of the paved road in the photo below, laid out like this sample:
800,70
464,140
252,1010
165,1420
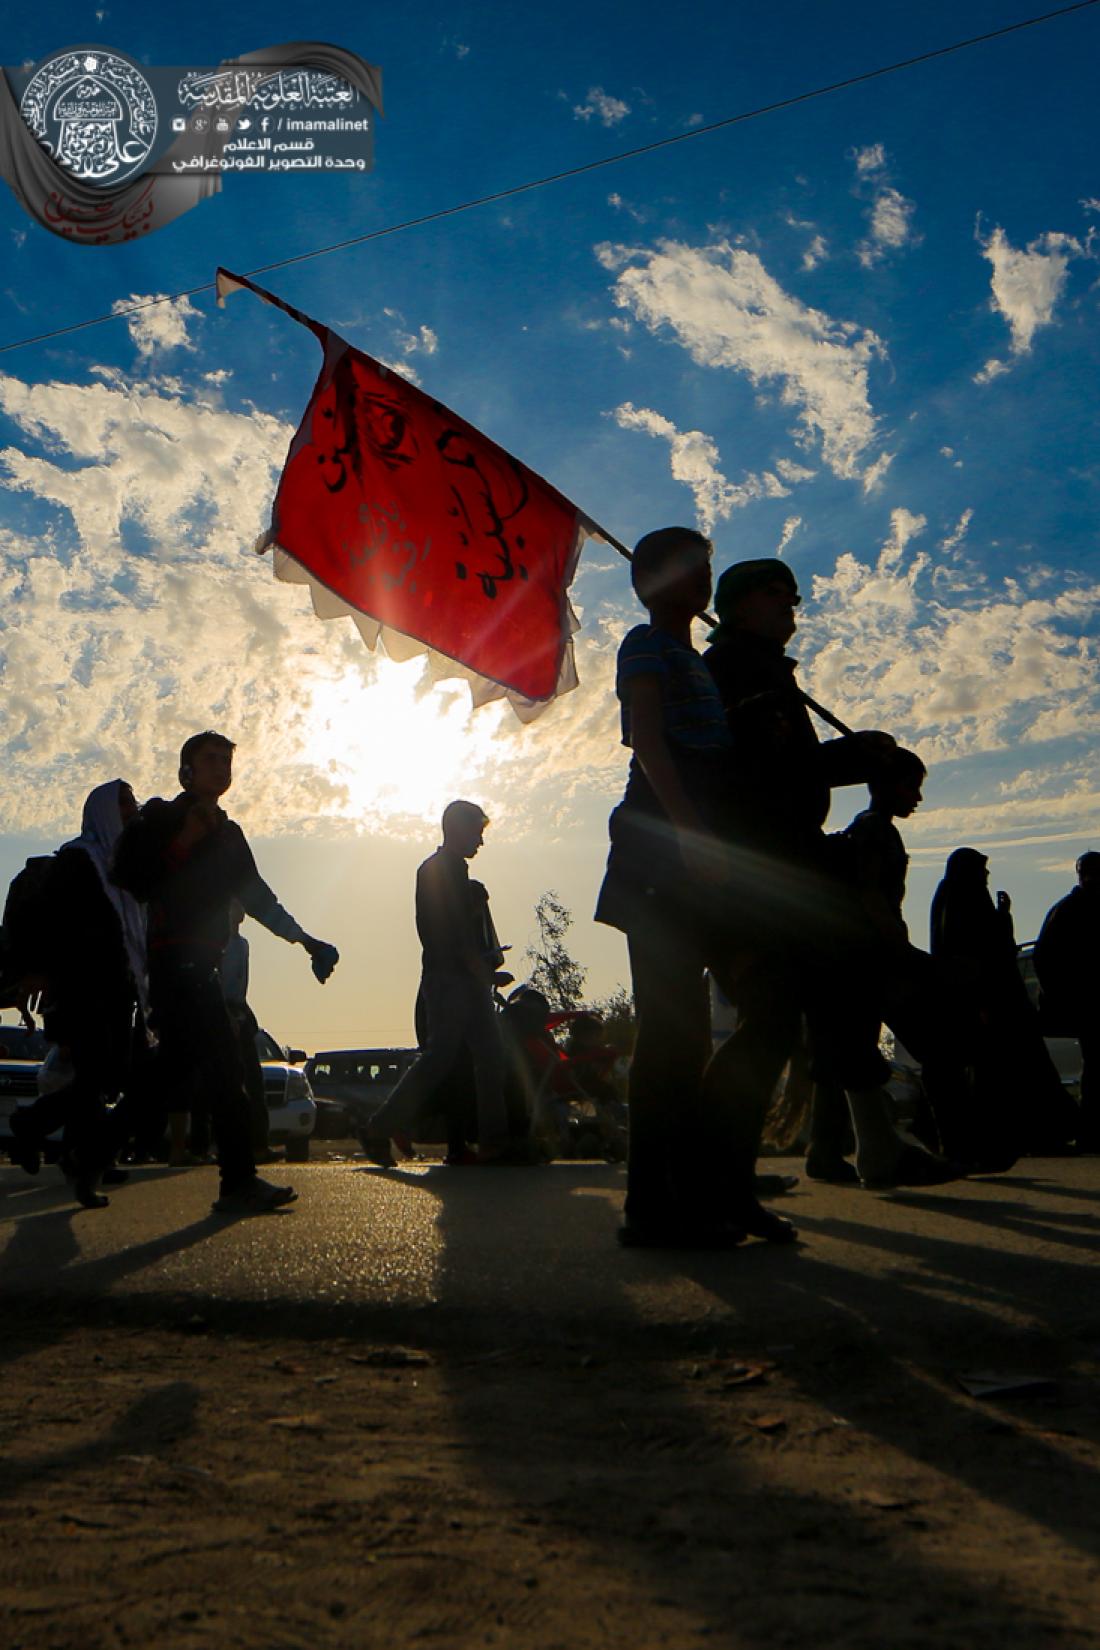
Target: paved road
503,1429
534,1252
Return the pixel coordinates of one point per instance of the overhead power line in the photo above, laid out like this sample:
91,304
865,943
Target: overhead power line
121,313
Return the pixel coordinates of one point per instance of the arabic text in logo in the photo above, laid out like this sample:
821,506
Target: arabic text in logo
94,111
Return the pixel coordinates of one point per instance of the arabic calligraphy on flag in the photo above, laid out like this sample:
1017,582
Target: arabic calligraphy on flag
429,534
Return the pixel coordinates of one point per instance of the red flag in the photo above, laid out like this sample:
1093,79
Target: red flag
395,509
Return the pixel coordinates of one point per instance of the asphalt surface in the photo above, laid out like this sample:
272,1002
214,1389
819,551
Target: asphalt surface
499,1253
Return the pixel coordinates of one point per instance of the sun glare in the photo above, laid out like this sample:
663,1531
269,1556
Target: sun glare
401,751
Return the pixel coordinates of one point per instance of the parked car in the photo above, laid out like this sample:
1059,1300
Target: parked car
291,1112
357,1080
35,1067
21,1054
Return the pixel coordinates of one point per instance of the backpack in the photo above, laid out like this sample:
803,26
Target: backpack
28,919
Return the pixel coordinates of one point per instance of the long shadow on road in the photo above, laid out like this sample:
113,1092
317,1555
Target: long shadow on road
750,1557
576,1403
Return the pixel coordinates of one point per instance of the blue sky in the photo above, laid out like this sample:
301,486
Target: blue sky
863,329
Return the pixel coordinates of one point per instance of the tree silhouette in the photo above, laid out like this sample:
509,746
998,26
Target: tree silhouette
553,971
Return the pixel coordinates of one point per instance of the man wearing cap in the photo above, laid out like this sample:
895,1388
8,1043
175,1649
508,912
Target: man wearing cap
810,941
460,955
785,771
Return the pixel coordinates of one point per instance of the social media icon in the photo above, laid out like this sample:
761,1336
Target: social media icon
243,124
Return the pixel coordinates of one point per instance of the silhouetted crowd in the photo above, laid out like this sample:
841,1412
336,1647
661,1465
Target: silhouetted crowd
124,942
722,878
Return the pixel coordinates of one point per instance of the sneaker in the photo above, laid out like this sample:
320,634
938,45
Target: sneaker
255,1197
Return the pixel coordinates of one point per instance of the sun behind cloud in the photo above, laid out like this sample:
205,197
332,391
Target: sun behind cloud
401,749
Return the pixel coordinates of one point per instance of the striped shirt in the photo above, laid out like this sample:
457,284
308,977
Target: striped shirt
693,716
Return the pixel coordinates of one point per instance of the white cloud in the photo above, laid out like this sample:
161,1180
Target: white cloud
790,471
401,365
425,340
993,368
891,219
1064,806
1092,204
621,205
727,311
790,528
904,525
958,532
410,341
110,654
1012,663
162,326
407,342
874,473
870,159
1027,284
889,215
693,457
133,611
815,253
610,110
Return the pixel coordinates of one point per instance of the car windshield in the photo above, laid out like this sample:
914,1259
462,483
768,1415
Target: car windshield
362,1068
267,1048
17,1043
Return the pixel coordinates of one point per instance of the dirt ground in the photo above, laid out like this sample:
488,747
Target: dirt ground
246,1478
